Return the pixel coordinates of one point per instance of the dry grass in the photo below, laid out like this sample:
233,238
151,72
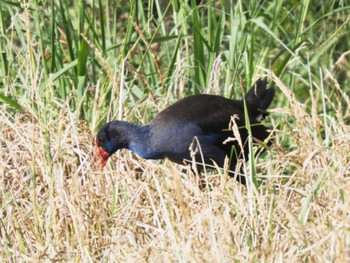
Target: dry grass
55,206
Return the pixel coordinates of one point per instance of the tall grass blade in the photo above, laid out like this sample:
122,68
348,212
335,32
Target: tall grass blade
198,49
12,102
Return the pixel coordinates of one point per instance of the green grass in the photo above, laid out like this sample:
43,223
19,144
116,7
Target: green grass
67,67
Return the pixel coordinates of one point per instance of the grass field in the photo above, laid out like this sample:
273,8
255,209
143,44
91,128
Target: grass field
67,67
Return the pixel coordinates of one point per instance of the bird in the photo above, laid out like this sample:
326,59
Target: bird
198,122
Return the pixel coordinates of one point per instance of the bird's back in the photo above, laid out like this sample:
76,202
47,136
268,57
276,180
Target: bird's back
209,112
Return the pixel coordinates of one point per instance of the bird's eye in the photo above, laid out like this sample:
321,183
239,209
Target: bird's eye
100,141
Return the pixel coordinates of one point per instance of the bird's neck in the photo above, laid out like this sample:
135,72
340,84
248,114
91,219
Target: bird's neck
139,141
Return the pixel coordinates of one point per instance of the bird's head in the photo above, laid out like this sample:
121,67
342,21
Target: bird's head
110,138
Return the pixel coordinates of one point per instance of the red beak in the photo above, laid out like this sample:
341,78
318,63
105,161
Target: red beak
100,157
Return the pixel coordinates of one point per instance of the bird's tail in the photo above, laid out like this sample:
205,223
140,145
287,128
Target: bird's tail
260,95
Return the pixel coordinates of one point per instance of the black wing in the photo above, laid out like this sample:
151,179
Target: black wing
209,112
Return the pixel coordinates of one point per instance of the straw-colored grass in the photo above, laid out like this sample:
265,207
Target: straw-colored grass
55,206
66,67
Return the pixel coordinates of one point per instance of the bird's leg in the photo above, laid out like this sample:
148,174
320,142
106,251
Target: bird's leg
201,180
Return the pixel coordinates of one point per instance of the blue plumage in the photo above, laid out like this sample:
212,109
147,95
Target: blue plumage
202,119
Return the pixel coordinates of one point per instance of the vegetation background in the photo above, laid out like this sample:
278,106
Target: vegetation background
67,67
